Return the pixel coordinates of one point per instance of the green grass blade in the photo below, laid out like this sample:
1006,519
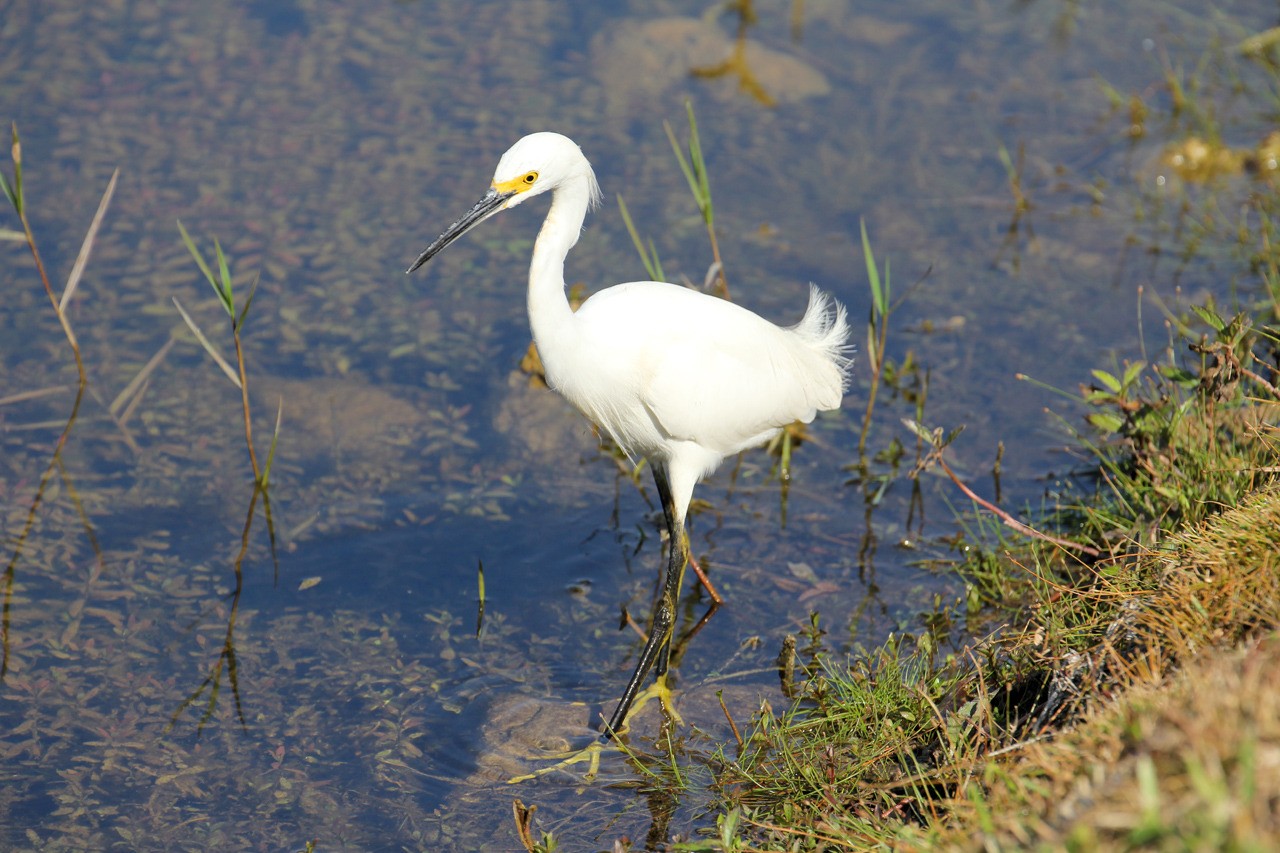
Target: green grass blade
657,274
684,164
648,257
699,165
271,451
8,193
14,191
244,311
878,295
224,281
480,605
199,259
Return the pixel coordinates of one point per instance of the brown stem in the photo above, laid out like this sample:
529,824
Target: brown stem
244,402
48,289
715,253
1009,520
875,385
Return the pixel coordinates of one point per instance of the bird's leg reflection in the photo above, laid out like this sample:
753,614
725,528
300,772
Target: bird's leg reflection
656,653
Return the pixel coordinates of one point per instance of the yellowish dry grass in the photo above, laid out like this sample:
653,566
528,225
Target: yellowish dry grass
1184,752
1187,762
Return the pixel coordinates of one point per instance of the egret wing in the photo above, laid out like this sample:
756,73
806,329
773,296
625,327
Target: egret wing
731,387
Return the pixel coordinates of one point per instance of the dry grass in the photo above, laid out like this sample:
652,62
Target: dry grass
1221,581
1187,762
1184,751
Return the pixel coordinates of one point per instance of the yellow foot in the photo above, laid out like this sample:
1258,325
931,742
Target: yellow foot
662,693
590,754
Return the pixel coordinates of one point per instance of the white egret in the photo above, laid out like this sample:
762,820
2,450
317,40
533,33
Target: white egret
673,375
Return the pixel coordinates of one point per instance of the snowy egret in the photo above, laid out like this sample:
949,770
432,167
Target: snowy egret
673,375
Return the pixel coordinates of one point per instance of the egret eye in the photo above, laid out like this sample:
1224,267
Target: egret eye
530,178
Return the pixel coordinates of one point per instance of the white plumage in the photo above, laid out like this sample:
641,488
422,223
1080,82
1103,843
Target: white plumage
673,375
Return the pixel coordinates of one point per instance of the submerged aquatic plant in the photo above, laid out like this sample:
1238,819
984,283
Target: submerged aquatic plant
13,191
226,662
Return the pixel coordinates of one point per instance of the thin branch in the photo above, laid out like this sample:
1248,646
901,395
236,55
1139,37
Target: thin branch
244,400
1008,519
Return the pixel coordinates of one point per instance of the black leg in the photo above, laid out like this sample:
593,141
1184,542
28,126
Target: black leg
658,647
677,560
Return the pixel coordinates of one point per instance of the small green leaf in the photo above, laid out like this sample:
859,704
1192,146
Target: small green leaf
1179,375
223,284
1005,159
8,193
921,431
244,312
1131,372
1107,379
1209,317
14,191
873,274
195,253
1106,421
1095,397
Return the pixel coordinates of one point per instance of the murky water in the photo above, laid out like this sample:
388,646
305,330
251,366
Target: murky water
338,691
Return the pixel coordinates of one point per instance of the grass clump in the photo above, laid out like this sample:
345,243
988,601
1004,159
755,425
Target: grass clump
1180,441
1180,749
1124,694
856,735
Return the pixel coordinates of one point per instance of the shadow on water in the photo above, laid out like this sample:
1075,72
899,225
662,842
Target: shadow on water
167,684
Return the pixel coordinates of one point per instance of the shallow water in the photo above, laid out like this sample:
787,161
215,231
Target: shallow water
325,146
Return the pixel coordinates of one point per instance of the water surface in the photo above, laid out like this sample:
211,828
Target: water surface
325,145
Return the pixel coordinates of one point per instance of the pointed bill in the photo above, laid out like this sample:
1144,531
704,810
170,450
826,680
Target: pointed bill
493,202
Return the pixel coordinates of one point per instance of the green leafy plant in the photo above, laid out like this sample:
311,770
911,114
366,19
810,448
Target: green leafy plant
226,663
648,252
13,191
695,174
877,332
223,287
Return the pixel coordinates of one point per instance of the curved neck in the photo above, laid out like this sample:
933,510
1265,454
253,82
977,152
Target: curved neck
550,316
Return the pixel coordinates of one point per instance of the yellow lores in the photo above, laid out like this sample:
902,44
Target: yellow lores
517,185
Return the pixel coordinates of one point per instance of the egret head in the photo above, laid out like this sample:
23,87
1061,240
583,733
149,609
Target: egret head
537,163
541,162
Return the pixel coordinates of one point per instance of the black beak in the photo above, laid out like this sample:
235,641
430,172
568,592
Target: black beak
485,207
